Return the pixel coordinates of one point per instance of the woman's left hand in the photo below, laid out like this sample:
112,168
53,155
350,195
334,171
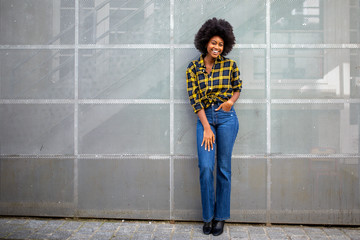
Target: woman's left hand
226,106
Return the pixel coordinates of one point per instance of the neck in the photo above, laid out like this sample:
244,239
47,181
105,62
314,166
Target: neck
208,59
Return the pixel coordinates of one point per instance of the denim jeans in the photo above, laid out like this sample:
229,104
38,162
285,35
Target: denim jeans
225,126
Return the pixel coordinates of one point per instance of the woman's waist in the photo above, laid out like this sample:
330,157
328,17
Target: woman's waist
213,102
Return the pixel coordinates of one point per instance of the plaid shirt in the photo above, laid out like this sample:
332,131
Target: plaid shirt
218,86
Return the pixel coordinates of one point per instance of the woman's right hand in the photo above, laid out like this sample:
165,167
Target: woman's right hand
208,139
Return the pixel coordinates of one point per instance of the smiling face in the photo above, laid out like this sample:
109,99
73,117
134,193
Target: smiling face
215,46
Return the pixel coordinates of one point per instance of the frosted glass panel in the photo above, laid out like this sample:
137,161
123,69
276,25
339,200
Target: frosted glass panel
315,129
251,63
36,129
37,22
355,73
185,130
124,73
251,138
37,74
314,73
182,59
314,21
249,28
316,190
116,21
354,21
124,129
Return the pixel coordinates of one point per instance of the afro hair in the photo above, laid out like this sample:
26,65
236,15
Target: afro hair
215,27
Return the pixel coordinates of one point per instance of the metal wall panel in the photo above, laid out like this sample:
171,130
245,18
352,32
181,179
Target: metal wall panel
95,120
127,188
249,190
186,186
322,190
37,186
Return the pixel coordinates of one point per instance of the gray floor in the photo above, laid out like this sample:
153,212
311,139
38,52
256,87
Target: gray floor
43,228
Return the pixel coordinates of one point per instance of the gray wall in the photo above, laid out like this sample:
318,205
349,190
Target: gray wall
95,120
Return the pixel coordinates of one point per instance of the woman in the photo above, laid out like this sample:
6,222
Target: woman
214,85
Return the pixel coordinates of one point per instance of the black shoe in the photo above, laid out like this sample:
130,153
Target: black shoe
218,228
207,227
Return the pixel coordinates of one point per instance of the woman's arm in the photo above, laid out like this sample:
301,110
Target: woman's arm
209,137
193,88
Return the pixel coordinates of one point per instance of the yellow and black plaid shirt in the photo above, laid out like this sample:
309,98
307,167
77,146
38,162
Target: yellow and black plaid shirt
218,86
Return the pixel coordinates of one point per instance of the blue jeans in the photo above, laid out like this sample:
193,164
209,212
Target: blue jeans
225,126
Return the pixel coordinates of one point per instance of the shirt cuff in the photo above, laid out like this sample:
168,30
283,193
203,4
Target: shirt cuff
197,107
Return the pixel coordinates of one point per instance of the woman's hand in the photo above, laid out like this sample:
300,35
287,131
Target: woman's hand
226,106
208,139
208,135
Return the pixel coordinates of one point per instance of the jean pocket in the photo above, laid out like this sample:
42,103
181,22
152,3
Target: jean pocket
231,110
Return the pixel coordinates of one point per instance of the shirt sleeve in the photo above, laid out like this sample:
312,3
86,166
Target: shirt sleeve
193,88
236,82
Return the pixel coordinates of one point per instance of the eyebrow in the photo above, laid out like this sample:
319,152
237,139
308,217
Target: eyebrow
216,41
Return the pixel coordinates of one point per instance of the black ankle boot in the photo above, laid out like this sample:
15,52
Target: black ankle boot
207,227
218,228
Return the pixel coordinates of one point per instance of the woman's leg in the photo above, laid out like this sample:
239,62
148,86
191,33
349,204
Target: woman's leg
206,167
226,132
